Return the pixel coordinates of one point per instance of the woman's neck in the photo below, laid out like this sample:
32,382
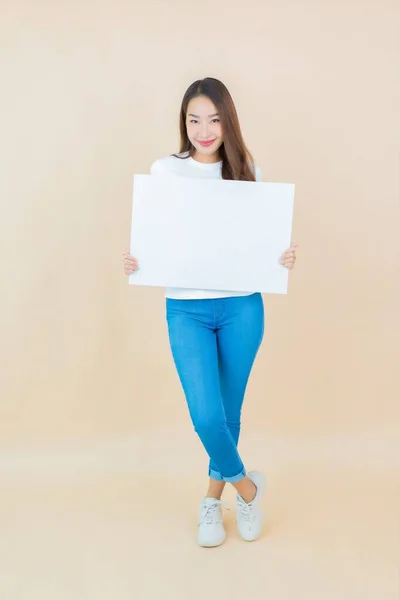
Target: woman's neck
213,158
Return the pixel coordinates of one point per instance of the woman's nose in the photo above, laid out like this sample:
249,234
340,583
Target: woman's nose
204,130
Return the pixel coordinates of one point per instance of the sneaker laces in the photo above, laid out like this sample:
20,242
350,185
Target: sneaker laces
245,509
210,512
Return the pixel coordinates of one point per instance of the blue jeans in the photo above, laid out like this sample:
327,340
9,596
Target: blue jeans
214,343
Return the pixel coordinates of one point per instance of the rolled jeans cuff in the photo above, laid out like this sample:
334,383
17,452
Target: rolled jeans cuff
218,477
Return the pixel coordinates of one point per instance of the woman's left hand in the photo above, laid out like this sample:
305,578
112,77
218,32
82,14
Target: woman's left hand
288,258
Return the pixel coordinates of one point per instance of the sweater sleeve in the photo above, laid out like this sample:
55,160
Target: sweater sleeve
156,167
258,173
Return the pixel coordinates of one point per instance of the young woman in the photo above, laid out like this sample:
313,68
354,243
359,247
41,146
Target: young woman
215,335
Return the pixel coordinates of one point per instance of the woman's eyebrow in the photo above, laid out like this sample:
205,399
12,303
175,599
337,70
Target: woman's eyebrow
197,116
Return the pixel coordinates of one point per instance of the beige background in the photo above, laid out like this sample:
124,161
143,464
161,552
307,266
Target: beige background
93,421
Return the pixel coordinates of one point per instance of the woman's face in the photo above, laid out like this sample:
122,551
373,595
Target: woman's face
204,129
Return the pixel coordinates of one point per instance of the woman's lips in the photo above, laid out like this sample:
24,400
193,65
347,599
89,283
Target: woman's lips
205,143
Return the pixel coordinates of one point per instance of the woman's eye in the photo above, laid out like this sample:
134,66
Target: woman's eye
193,121
215,121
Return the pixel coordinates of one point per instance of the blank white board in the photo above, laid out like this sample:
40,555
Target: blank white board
211,234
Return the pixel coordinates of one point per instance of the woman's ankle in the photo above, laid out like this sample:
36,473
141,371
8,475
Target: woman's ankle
246,490
215,489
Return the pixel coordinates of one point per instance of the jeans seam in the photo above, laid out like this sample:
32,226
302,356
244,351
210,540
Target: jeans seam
215,315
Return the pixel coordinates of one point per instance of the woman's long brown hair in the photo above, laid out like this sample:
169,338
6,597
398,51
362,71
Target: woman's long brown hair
237,162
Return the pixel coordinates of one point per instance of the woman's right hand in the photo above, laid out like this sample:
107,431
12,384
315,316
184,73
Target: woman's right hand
130,263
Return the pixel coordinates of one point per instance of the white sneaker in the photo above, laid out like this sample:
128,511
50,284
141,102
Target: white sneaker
250,518
211,530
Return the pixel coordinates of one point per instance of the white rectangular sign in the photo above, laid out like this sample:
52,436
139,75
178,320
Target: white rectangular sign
211,234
